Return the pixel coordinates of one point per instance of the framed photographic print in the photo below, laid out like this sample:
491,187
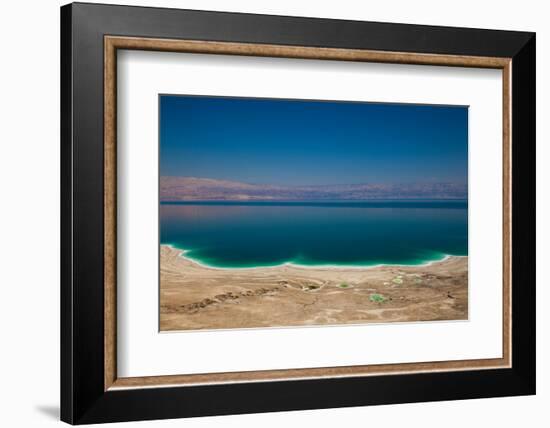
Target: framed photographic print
265,213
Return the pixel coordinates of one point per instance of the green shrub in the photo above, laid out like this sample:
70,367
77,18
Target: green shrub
377,298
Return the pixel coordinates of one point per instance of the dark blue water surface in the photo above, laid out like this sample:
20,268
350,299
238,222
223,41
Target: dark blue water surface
352,233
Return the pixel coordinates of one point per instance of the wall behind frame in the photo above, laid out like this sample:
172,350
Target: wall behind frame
29,226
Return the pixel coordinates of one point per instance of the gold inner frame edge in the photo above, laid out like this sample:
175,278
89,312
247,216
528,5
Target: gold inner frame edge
113,43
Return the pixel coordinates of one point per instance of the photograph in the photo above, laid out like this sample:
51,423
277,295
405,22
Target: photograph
294,213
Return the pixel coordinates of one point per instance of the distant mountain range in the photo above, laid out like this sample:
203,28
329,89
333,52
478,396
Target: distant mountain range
173,189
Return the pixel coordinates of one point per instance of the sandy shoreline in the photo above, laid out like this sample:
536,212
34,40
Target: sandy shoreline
194,296
182,253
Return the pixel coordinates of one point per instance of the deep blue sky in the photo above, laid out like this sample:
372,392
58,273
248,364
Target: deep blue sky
311,142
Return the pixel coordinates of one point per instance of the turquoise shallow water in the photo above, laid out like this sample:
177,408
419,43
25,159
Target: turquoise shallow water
342,233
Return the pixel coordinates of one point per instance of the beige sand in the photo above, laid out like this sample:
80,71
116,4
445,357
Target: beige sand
193,296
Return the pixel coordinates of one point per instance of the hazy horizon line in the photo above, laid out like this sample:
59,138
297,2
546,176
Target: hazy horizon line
315,185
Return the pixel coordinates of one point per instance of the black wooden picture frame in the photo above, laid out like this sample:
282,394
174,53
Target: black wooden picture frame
84,397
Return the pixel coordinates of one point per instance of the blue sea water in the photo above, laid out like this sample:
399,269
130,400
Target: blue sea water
340,233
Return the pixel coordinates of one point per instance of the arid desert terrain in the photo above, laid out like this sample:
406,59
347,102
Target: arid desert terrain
196,297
